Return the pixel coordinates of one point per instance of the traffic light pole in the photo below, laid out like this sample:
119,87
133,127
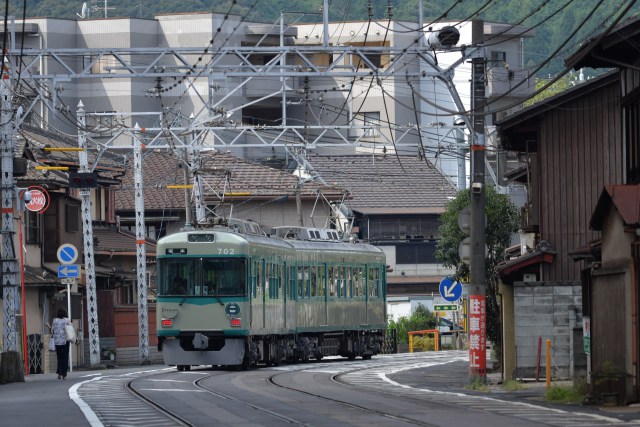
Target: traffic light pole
477,298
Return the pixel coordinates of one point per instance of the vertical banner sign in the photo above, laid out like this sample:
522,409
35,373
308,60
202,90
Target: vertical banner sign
477,336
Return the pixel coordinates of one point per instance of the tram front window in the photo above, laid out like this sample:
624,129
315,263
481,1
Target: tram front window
224,276
202,277
177,276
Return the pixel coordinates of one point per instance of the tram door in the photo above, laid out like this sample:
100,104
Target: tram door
263,280
258,300
325,290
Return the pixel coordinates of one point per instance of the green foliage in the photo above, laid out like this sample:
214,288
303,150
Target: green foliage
565,82
503,219
421,319
574,393
513,385
478,384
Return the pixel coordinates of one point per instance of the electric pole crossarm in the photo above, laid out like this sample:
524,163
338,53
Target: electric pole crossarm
231,62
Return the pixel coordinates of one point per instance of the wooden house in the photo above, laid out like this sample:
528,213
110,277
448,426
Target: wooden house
570,145
574,145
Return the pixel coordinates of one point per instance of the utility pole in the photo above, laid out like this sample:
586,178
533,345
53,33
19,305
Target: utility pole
477,295
87,228
9,262
141,252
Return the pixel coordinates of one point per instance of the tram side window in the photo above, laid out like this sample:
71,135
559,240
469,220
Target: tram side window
357,282
292,282
314,282
340,281
267,278
305,282
259,277
349,282
374,281
322,280
273,281
281,280
332,281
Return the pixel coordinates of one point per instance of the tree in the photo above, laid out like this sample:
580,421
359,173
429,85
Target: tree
421,319
503,220
563,83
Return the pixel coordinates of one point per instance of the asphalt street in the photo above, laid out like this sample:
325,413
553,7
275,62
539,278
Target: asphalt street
44,400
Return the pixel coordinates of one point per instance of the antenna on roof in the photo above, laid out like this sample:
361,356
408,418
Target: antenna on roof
85,11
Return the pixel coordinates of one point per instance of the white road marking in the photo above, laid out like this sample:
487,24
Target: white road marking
91,416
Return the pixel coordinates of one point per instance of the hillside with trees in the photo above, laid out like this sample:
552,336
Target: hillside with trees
554,20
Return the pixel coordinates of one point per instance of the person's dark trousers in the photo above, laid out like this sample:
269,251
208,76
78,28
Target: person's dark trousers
62,351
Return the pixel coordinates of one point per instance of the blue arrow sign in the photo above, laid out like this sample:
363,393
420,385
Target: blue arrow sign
68,271
450,289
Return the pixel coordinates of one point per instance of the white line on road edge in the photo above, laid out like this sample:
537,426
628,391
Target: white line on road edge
91,416
384,378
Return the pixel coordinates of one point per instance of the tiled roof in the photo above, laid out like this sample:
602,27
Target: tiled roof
109,241
39,277
48,179
386,183
159,169
625,198
36,140
247,181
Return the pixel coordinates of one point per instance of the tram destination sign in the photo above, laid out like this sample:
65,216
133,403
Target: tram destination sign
176,251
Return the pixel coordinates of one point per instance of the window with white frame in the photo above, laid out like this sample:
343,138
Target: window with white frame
368,124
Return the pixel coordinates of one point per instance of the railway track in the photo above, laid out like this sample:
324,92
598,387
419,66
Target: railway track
336,392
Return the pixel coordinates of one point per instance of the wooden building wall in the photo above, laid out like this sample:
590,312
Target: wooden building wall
579,151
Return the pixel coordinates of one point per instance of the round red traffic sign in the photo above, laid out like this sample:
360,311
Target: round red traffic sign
38,200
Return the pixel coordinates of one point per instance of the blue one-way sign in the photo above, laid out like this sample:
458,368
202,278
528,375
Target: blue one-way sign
68,271
450,289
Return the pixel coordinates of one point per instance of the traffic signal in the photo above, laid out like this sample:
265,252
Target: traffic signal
83,179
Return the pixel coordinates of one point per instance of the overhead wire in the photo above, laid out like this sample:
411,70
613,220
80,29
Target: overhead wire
385,93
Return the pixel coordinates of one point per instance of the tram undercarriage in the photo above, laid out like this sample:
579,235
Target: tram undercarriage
197,349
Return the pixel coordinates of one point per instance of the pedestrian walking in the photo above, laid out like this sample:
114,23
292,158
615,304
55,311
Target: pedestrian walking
61,341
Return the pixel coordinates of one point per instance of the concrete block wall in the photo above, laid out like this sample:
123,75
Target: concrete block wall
131,356
547,311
